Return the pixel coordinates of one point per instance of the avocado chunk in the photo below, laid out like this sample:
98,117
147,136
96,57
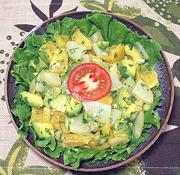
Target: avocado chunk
149,76
135,54
32,99
75,51
81,39
50,95
49,78
122,95
59,62
143,92
97,36
60,103
73,107
76,125
98,111
61,41
103,44
55,57
47,51
98,51
43,130
138,125
127,68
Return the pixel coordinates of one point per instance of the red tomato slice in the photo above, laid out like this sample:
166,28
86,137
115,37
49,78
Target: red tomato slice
89,82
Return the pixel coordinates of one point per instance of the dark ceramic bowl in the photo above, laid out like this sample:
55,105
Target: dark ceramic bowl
166,84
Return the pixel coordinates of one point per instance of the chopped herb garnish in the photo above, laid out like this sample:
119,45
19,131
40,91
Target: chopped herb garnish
133,99
123,71
73,50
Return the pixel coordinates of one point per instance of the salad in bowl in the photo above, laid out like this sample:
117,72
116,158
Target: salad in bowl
87,89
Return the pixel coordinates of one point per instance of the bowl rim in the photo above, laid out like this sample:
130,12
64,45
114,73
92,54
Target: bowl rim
118,164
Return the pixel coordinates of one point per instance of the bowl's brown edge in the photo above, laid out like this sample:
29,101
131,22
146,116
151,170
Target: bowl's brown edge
120,163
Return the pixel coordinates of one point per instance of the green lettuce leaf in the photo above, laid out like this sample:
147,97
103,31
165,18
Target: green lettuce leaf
67,26
53,29
131,38
86,26
23,130
20,109
24,73
42,143
152,48
52,145
102,22
117,32
56,152
73,156
151,118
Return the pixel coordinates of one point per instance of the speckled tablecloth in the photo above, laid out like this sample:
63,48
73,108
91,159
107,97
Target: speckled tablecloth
161,18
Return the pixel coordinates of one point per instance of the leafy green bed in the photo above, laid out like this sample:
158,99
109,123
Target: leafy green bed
24,72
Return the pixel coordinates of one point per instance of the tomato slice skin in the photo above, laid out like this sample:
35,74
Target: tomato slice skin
89,82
